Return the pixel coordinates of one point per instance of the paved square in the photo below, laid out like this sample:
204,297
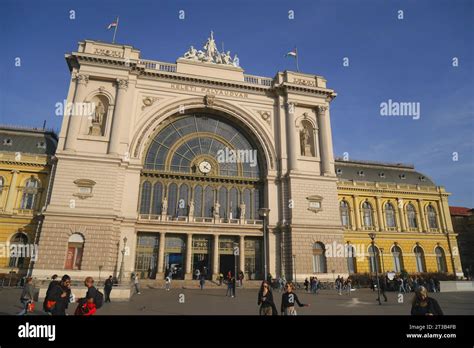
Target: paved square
214,302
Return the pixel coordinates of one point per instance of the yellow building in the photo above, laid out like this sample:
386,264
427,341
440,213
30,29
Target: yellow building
26,157
406,211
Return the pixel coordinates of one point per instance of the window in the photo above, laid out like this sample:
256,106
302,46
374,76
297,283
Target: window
7,142
234,204
223,203
183,200
351,258
390,215
41,145
397,259
172,199
411,216
345,218
367,214
382,175
208,202
75,249
319,258
30,192
403,176
432,217
157,198
374,259
360,173
338,171
441,260
420,259
17,250
422,178
198,201
246,201
145,199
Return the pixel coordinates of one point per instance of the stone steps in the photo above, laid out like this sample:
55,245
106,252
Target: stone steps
194,284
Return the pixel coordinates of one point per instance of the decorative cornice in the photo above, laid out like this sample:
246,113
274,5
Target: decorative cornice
122,84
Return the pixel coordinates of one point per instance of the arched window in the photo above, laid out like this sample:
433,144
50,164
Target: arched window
145,199
411,216
441,260
183,200
319,258
234,204
246,201
420,259
30,193
432,217
208,201
75,249
351,258
390,215
198,201
345,217
172,199
17,250
256,204
157,198
374,258
223,202
367,214
397,258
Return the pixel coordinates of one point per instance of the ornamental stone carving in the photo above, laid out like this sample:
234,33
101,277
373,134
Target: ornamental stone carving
122,84
209,100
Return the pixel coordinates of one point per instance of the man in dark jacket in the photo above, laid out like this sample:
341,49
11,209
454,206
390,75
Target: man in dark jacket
59,296
424,305
383,287
108,288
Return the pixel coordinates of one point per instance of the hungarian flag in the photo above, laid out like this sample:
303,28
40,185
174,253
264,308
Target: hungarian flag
292,53
111,25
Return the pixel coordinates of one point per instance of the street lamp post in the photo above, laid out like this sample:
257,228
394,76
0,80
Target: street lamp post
383,267
236,252
446,233
264,214
123,258
372,237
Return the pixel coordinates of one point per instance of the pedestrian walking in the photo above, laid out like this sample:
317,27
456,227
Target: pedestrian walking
108,285
233,282
339,285
383,287
401,286
54,282
59,296
229,287
221,278
349,286
168,283
423,304
241,279
136,283
197,273
27,296
202,281
306,285
265,300
288,300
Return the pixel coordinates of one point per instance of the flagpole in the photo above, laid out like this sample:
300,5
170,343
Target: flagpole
115,30
297,65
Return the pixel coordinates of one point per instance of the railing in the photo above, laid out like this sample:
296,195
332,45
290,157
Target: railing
368,228
391,228
258,80
155,65
205,220
412,229
434,229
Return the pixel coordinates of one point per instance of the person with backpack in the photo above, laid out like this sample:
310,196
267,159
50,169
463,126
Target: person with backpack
289,299
27,296
94,299
54,282
265,300
136,283
58,300
108,285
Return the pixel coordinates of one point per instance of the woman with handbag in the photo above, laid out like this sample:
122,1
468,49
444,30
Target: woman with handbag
27,297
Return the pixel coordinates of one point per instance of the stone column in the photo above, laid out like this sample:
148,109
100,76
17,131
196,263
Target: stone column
379,213
442,223
215,257
325,146
74,126
293,146
241,254
161,256
401,214
119,116
422,225
11,192
356,212
189,256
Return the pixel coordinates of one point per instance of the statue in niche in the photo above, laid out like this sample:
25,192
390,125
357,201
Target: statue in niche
216,209
242,211
164,207
191,209
98,119
306,141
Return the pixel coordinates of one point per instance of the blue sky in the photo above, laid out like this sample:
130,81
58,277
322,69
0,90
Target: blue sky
407,60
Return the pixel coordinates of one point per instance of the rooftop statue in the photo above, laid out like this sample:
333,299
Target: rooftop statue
210,54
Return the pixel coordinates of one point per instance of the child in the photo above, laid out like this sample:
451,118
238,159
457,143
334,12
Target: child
288,300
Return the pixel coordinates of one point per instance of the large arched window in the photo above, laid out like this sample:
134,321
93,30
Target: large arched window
30,192
75,249
145,199
234,204
368,213
397,258
223,209
17,250
208,201
319,258
183,200
246,201
390,215
411,216
172,199
441,259
157,198
345,217
198,201
432,221
374,259
420,259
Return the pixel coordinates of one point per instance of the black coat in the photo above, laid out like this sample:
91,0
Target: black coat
432,307
61,302
267,301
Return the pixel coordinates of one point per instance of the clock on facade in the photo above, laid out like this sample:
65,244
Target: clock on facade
205,167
